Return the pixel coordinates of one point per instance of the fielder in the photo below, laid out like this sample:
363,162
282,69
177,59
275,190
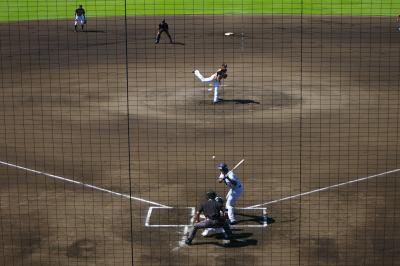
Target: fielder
212,210
163,27
398,22
235,190
80,17
216,78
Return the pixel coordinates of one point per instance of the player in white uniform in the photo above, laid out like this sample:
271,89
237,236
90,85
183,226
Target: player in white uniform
216,78
235,190
80,17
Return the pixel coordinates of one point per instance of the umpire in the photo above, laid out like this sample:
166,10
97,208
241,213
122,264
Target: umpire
212,210
163,27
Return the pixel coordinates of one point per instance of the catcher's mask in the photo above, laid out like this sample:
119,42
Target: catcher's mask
211,195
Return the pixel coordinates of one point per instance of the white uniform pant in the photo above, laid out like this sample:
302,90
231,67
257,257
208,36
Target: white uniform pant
213,231
80,20
231,198
208,80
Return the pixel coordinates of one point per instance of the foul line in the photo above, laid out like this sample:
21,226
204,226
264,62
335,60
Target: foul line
322,189
83,184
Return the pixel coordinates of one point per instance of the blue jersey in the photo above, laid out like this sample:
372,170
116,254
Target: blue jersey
232,177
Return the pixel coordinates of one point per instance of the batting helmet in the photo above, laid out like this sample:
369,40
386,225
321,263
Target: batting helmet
211,194
222,167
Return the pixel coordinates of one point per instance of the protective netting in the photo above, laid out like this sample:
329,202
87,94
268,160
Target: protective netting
111,133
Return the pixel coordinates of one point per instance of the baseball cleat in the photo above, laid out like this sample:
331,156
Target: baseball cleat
218,101
233,222
188,242
226,241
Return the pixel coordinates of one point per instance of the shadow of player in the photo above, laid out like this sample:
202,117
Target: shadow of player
236,240
170,43
94,31
256,218
239,101
238,243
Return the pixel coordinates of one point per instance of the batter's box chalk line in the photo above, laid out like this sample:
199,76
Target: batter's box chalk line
260,219
323,189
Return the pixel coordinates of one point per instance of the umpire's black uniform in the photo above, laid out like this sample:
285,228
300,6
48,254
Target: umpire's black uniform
163,27
212,211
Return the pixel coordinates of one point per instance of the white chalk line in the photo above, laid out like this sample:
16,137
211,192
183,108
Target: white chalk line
322,189
83,184
185,226
182,243
150,211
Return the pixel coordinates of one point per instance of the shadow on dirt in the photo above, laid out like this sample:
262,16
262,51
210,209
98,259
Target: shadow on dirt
95,31
178,43
255,218
238,101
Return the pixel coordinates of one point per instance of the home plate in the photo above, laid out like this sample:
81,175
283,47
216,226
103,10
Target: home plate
183,217
229,33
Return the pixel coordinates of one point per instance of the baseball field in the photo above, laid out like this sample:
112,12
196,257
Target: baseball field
108,142
18,10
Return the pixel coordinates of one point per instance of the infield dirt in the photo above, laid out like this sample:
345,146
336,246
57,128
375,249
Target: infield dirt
309,102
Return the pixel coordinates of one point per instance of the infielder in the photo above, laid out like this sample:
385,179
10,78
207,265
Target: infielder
398,22
163,27
80,17
216,78
212,210
235,189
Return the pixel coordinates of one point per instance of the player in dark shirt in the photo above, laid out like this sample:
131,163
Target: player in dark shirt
213,211
398,22
163,27
80,17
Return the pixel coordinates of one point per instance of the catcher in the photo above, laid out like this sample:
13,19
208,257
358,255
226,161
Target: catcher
216,78
216,230
80,18
212,210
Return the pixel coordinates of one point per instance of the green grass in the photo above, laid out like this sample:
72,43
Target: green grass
16,10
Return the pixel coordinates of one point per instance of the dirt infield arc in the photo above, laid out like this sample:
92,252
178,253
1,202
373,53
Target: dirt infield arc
310,102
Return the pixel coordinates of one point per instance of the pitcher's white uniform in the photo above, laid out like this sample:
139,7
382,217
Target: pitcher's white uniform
233,194
214,78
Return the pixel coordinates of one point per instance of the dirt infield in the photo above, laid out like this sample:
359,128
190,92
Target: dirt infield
309,102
